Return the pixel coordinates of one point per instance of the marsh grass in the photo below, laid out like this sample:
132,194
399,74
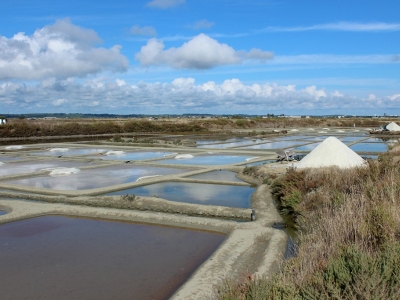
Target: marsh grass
348,225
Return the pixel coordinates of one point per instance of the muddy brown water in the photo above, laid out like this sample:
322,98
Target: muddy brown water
57,257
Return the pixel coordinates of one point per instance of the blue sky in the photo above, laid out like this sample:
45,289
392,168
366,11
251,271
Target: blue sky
200,56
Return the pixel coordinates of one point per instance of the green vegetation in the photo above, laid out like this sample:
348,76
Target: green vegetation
348,224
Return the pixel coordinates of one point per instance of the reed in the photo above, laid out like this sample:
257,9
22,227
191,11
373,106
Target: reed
348,225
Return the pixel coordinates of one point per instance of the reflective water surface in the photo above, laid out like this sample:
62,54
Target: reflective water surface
56,257
207,160
135,155
369,147
69,152
198,193
3,212
222,175
276,145
8,158
95,178
29,167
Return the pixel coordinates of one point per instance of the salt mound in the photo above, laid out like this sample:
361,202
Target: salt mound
294,130
14,147
58,149
250,158
184,156
340,131
112,152
61,171
331,152
393,127
1,163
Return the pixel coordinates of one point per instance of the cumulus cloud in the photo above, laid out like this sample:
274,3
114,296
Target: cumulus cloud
201,52
182,95
371,97
58,102
202,24
145,30
165,3
59,50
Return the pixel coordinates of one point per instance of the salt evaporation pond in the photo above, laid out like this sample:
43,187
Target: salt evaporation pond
230,145
29,167
308,147
222,175
57,257
197,193
207,160
136,155
3,212
8,158
291,137
259,163
369,147
217,141
68,152
95,178
275,145
351,138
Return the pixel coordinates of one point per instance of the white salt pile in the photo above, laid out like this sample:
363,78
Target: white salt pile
184,156
250,158
14,147
1,163
58,149
331,152
112,152
294,130
61,171
393,127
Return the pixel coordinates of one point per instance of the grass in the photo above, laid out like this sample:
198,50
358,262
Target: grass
348,232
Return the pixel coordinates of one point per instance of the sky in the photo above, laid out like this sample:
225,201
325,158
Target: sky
294,57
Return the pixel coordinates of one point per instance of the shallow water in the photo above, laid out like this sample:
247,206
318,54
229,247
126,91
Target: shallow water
259,163
222,175
135,155
207,160
70,152
369,147
291,137
29,167
95,178
351,138
276,145
56,257
3,212
308,147
198,193
217,141
8,158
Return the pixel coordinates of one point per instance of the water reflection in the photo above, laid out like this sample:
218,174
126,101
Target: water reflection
8,158
136,155
198,193
308,147
222,175
68,152
57,257
207,160
236,144
29,167
369,147
95,178
275,145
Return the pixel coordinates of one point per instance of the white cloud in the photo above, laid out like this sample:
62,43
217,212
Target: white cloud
202,24
340,26
182,95
201,52
165,3
60,50
145,30
394,97
58,102
371,97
